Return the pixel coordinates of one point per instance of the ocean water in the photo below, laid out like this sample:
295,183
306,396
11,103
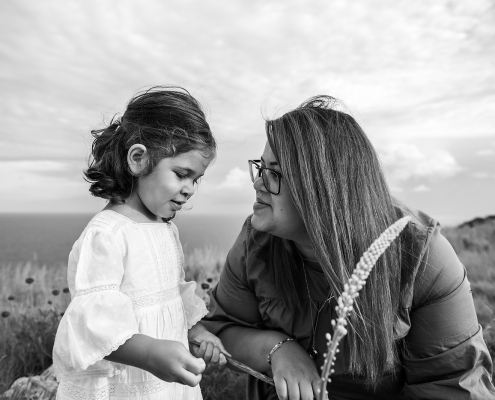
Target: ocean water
48,238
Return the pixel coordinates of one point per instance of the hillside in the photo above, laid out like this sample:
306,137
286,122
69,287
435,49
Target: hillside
474,243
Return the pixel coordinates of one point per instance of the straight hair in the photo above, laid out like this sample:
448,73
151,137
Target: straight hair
338,187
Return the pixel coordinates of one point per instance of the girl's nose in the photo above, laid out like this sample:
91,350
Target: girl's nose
188,189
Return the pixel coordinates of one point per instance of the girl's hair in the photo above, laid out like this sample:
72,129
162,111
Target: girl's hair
168,121
337,186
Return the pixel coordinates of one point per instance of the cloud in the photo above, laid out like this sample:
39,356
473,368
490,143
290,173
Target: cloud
67,67
421,188
236,178
485,152
481,175
404,161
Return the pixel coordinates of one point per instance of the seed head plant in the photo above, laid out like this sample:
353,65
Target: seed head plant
351,291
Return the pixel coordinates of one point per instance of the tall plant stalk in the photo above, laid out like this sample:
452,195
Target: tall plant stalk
351,291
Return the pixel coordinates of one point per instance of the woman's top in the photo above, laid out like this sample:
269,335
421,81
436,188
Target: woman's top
125,278
445,356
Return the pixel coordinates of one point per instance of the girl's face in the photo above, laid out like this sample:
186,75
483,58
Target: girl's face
276,213
172,183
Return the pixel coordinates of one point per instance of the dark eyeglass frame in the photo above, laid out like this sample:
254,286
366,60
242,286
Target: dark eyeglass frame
261,168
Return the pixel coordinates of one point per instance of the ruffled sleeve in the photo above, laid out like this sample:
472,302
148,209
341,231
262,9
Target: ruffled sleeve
194,307
100,318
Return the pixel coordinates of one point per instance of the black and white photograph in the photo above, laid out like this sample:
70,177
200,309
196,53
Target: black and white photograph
247,200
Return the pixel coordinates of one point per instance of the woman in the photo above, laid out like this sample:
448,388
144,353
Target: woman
321,200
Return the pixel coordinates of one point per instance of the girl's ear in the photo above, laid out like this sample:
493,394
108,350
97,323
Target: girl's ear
137,159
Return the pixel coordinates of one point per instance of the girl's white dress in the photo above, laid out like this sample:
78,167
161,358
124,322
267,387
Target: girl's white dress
124,278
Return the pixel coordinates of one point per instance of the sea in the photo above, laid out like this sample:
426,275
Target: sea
48,238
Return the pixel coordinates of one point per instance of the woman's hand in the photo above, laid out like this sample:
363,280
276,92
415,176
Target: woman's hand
294,373
211,347
170,361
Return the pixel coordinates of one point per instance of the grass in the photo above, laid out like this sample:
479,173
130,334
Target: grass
31,311
35,296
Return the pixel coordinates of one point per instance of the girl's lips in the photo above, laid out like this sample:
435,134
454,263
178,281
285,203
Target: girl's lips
175,205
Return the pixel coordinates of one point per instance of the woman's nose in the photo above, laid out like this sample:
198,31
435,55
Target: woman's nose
258,184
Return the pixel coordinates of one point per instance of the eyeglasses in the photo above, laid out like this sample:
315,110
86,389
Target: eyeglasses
271,178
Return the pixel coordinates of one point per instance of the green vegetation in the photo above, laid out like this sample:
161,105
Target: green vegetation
35,296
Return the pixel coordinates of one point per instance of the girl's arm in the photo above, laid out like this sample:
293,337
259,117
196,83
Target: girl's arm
168,360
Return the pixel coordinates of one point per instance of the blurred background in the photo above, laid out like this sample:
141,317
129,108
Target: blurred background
418,76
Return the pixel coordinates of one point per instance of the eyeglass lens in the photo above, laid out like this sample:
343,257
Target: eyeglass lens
270,178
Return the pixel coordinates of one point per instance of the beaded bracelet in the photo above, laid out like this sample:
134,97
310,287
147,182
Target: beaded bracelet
276,347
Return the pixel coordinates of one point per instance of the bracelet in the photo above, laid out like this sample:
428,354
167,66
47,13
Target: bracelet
276,347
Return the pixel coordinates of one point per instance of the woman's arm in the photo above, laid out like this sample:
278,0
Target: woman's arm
446,356
235,318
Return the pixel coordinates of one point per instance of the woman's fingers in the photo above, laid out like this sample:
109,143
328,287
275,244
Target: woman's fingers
222,361
294,392
215,354
222,349
208,352
306,390
316,387
281,387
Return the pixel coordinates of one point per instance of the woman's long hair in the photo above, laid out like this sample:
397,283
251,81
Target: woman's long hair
337,185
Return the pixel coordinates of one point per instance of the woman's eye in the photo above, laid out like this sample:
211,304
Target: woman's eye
180,176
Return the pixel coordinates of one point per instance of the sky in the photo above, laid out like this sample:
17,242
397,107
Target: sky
418,76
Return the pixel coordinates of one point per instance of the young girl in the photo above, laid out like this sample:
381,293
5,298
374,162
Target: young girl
125,333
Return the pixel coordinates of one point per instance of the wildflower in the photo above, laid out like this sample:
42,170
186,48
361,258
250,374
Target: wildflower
29,281
55,292
5,314
11,298
205,286
351,289
66,290
210,280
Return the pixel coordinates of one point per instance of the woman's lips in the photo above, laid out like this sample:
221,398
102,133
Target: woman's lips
260,205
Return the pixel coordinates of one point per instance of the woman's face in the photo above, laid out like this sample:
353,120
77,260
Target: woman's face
276,213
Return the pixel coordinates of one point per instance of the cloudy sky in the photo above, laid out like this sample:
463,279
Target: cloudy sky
419,77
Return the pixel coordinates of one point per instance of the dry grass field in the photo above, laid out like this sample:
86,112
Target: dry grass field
33,298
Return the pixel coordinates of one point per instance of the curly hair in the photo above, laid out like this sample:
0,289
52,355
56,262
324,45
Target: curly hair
168,121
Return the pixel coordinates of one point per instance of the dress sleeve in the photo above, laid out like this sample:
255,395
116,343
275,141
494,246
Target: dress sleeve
445,356
194,306
100,318
233,302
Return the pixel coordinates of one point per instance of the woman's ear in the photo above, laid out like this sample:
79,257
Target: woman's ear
137,159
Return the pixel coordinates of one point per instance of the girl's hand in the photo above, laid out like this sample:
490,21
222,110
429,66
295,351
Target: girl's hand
294,373
170,361
211,347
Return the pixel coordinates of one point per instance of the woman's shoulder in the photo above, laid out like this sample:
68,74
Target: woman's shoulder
436,269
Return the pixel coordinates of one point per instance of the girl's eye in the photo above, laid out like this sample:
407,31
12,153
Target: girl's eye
180,176
196,181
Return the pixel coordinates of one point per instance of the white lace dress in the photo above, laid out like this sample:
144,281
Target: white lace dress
124,278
